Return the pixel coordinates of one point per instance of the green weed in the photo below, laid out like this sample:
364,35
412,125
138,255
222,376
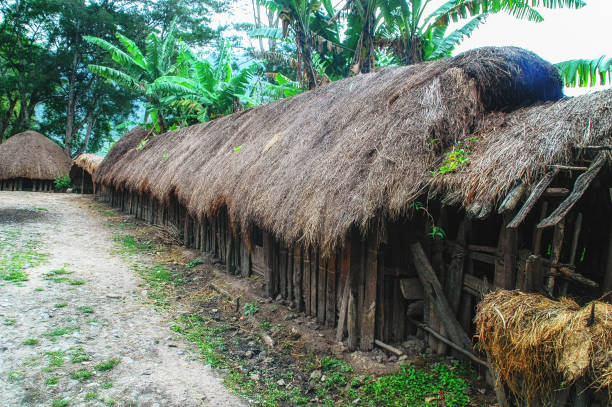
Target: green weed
78,355
60,332
158,279
91,396
31,341
107,385
60,403
208,339
85,309
15,376
250,308
17,255
61,305
194,263
76,282
128,244
81,375
108,365
56,358
9,322
51,381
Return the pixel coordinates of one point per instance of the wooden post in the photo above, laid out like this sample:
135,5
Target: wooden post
368,316
434,290
454,283
330,307
245,261
314,274
345,266
306,281
297,279
555,254
573,249
354,273
290,286
268,243
82,180
282,268
321,289
510,253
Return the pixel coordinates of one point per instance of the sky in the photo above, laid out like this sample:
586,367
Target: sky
564,34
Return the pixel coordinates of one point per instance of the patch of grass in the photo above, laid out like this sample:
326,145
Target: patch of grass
15,376
78,355
31,341
9,322
266,392
107,385
37,289
60,403
85,309
108,365
61,305
265,325
413,387
58,275
60,332
250,308
158,279
76,282
128,244
56,358
209,339
111,402
51,381
91,396
81,375
41,209
194,263
17,255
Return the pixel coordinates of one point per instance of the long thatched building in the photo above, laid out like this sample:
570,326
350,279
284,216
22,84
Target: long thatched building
81,172
391,201
31,161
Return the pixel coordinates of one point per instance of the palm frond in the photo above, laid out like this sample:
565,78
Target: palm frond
133,50
446,45
152,45
116,76
168,50
119,56
586,72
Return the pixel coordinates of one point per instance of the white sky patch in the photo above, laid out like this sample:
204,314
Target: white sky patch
564,34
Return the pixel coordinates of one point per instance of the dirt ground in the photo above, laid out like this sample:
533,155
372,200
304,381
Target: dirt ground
77,331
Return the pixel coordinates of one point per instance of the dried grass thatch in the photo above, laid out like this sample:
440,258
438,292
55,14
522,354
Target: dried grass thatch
110,164
310,167
520,145
539,345
33,156
88,162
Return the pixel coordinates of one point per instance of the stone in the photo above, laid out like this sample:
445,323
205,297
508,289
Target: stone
280,382
315,375
254,376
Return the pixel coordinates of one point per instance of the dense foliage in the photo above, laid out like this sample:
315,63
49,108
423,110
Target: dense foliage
80,71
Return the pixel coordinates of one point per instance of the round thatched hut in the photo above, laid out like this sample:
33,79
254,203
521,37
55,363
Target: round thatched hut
82,171
31,161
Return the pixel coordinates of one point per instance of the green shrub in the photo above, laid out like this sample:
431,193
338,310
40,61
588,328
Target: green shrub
62,182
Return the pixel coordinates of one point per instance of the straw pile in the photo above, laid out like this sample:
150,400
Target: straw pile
33,156
88,162
539,345
310,167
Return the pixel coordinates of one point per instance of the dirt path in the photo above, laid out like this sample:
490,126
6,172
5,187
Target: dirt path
80,312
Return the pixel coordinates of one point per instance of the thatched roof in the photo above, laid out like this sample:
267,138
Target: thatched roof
310,167
88,162
126,144
34,156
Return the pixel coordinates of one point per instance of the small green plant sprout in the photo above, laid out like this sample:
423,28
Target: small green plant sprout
60,403
250,308
457,157
165,156
51,381
62,182
81,375
31,342
108,365
61,305
194,263
85,309
237,148
107,385
91,396
15,376
9,322
437,232
265,325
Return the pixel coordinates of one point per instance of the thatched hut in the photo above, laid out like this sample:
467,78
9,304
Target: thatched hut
81,172
392,200
31,161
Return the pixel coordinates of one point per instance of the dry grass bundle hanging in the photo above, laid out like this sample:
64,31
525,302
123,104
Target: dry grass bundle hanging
540,345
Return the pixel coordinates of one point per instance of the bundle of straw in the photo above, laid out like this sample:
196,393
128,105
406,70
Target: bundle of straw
539,345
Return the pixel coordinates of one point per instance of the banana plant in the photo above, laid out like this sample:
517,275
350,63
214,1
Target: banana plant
586,72
140,71
415,36
207,89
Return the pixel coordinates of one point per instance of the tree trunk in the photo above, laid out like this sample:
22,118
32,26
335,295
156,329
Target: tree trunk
91,123
70,112
6,119
303,46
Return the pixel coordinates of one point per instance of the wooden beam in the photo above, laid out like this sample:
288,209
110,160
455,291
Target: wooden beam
330,303
456,267
513,198
568,167
555,254
434,290
268,243
321,289
297,279
345,274
368,317
556,192
306,281
533,198
580,186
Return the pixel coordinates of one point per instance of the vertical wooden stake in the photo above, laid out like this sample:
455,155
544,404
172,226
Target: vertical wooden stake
330,306
297,279
306,281
555,254
368,317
